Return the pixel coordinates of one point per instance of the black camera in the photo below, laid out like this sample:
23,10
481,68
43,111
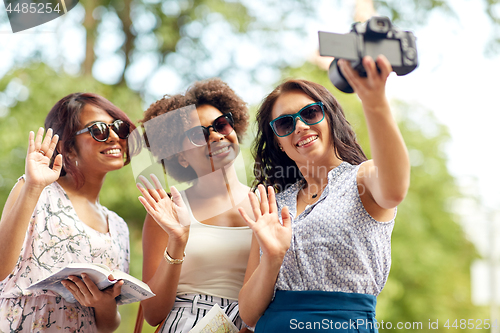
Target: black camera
374,37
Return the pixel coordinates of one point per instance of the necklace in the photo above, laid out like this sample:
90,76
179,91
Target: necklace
314,195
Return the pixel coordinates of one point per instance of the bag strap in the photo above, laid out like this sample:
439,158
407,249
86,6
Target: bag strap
159,327
139,321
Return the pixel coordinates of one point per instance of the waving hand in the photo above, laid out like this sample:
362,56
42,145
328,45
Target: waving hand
170,213
37,169
273,237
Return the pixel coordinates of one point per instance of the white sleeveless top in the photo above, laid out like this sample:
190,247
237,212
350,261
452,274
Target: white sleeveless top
216,259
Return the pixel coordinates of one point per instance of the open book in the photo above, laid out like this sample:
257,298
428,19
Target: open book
133,289
215,321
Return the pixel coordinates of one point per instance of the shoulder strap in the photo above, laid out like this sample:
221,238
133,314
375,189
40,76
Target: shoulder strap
139,320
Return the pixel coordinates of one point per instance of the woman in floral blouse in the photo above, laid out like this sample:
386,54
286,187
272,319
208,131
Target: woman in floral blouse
53,218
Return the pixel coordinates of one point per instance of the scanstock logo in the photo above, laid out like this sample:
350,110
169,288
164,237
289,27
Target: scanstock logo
25,14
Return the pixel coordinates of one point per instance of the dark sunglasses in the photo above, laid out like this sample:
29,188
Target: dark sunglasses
100,130
199,135
310,115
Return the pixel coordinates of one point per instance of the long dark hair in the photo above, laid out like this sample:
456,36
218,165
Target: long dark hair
273,167
64,119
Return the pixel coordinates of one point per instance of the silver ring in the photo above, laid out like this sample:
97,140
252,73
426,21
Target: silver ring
41,152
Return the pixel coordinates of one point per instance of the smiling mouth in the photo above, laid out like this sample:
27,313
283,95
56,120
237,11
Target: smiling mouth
219,151
306,141
112,151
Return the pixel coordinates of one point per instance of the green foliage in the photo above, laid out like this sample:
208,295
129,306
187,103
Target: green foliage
431,257
414,12
195,39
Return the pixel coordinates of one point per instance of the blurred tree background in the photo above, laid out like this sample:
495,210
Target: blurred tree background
132,49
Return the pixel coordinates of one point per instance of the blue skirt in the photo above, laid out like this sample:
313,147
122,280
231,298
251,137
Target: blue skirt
319,311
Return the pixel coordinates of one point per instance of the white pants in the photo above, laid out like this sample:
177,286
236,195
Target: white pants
190,308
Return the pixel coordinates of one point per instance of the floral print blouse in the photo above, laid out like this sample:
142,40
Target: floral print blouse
56,237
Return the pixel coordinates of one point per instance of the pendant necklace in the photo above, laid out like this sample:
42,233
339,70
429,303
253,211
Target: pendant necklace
315,195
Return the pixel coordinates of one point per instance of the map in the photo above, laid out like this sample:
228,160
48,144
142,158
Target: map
215,321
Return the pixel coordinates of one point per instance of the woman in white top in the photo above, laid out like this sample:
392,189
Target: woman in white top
196,246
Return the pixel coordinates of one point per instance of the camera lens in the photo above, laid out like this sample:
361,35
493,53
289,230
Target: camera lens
338,79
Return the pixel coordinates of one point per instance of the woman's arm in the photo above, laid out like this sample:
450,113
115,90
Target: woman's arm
24,196
386,178
274,240
258,288
166,227
162,277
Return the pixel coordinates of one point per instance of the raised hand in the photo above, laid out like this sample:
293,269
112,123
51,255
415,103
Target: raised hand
40,150
370,89
87,294
170,213
273,237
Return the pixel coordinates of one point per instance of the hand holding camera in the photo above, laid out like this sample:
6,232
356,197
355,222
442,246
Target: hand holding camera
375,37
370,89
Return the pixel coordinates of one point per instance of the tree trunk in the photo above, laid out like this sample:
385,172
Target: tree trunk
124,16
90,25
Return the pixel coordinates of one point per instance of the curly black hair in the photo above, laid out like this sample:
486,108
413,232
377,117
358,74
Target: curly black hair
214,92
270,161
